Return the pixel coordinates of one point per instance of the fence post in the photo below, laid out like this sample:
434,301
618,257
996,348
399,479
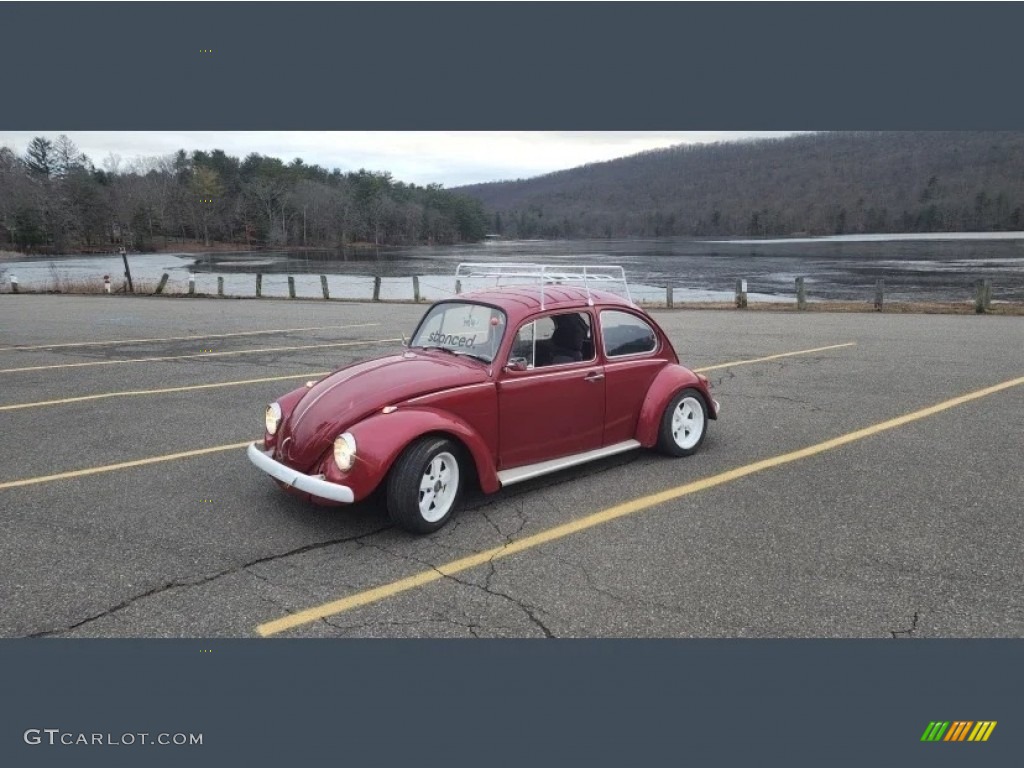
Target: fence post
14,284
879,294
291,287
979,296
668,297
458,286
259,285
162,284
376,289
741,294
191,283
416,288
127,270
220,285
801,294
323,285
982,296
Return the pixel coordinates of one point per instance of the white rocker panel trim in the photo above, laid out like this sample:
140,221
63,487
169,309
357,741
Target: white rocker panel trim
530,471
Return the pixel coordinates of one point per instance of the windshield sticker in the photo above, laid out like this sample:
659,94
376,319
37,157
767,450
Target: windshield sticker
451,340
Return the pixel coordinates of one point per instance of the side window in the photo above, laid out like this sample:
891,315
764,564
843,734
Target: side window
626,334
522,345
555,340
545,327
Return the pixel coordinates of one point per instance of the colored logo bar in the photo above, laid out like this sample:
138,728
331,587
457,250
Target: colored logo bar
958,730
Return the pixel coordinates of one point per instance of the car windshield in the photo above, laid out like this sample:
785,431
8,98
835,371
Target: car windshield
462,328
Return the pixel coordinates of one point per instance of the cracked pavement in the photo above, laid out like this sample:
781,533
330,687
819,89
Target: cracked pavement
908,534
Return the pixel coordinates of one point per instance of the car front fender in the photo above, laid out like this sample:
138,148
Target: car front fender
287,403
670,380
381,438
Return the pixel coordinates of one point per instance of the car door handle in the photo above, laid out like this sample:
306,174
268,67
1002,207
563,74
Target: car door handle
593,376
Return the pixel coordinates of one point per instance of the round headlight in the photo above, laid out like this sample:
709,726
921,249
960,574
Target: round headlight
345,452
273,418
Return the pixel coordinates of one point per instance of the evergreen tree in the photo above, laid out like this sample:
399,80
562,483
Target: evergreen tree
40,157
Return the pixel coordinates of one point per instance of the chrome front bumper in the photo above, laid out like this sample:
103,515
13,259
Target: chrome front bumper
314,484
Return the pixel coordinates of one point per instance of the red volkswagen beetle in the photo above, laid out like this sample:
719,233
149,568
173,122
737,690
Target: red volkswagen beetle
503,384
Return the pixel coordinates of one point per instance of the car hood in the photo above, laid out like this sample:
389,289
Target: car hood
352,393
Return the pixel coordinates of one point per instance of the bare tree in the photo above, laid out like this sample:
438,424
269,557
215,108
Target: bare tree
267,194
112,163
67,156
207,191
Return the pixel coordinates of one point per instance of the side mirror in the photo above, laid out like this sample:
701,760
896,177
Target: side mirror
517,364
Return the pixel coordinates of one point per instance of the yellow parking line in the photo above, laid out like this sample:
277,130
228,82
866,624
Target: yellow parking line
385,591
137,392
774,357
21,348
122,465
314,374
199,452
198,355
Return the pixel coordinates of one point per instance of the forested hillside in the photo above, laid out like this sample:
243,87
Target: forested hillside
54,199
819,184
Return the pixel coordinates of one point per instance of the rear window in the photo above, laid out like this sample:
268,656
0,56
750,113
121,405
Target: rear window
626,334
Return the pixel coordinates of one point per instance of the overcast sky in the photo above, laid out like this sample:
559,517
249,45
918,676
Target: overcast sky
448,158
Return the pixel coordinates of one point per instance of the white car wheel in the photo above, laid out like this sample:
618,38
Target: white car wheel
688,423
438,487
684,424
425,484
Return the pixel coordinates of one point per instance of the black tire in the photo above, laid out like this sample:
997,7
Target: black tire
679,439
405,496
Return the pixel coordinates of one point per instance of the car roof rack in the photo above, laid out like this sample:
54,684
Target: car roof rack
605,277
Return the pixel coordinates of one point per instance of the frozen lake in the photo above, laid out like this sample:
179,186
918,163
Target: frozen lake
931,267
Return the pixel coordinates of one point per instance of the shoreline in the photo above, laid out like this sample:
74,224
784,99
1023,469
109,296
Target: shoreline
192,248
1003,309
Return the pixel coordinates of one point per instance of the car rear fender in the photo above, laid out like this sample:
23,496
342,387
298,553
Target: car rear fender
381,438
666,384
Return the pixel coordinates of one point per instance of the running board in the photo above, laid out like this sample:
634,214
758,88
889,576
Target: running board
530,471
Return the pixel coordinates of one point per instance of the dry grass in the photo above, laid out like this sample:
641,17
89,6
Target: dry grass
61,284
82,285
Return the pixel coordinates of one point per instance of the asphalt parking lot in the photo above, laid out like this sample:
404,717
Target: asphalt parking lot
129,508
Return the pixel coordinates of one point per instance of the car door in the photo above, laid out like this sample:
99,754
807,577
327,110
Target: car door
632,359
554,405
